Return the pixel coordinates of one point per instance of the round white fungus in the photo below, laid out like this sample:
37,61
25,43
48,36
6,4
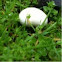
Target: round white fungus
32,16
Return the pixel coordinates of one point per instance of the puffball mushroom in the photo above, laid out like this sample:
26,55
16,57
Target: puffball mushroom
32,16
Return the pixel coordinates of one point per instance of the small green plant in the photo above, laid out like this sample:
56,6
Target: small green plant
21,43
54,13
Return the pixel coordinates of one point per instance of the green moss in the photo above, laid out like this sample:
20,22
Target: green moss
21,43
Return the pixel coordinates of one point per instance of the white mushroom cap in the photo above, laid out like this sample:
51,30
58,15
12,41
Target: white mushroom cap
37,16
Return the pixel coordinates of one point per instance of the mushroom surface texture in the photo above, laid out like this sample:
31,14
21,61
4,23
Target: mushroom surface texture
32,16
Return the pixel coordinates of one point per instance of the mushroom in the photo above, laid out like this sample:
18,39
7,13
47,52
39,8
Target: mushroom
32,16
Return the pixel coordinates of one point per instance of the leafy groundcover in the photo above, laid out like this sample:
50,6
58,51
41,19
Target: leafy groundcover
21,43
